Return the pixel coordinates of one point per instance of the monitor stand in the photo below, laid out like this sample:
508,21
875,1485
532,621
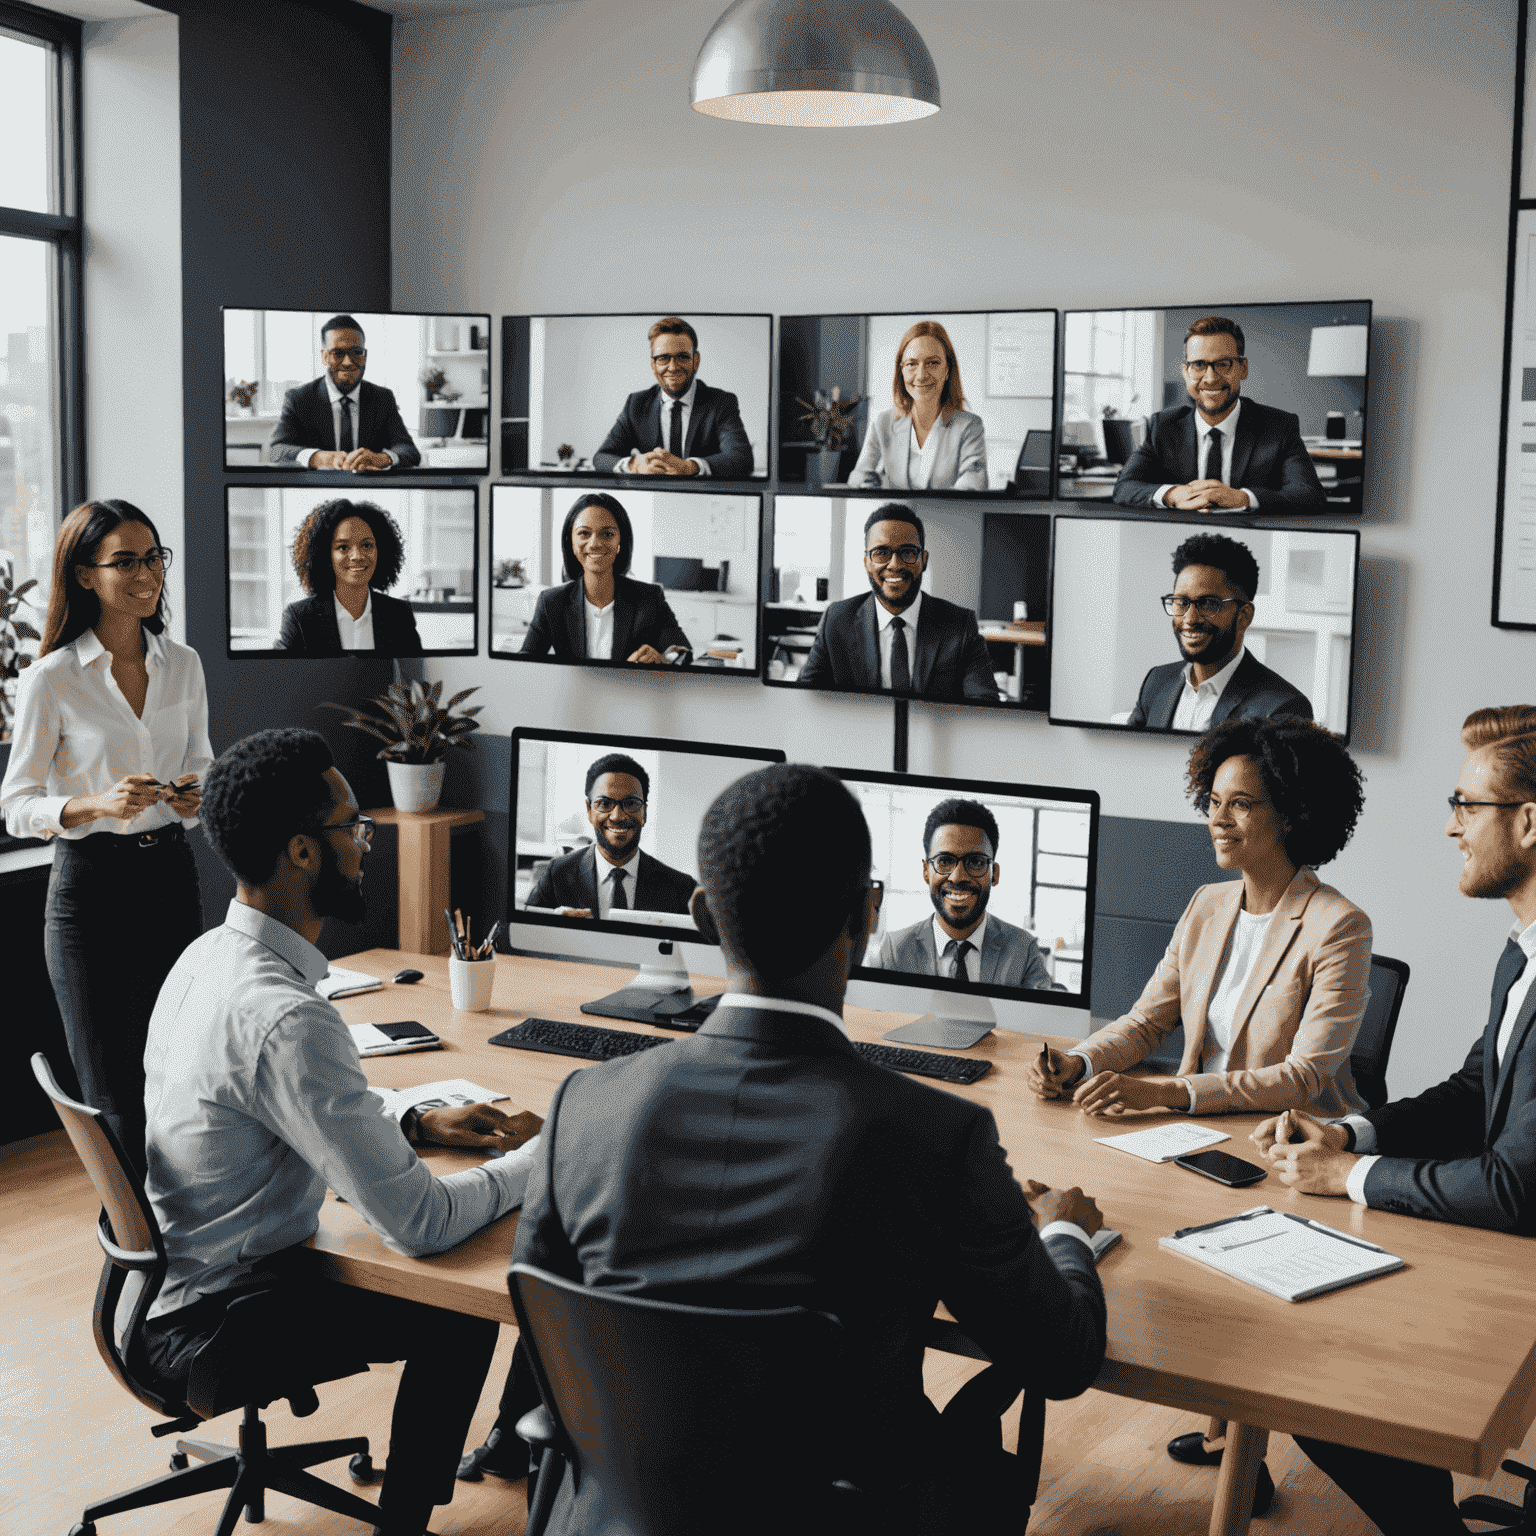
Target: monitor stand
659,993
957,1021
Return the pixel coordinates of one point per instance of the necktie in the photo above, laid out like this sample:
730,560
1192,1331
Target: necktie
675,432
901,666
1213,455
348,442
961,949
1511,964
620,900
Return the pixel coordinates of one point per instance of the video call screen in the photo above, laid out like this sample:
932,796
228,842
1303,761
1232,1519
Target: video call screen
419,385
986,379
1118,658
1129,404
688,598
305,560
1026,909
976,578
586,806
595,395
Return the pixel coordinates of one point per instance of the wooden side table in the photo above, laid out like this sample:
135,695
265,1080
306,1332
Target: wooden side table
424,873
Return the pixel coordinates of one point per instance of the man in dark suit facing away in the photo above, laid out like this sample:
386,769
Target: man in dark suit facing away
763,1163
339,421
1220,453
613,875
1464,1151
1211,605
897,636
679,426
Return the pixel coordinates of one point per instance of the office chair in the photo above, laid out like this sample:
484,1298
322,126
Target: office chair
255,1356
1368,1058
1510,1519
677,1420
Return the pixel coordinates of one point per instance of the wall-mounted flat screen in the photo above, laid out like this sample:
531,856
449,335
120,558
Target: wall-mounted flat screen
953,403
1282,385
348,391
384,570
681,395
1168,626
923,598
637,576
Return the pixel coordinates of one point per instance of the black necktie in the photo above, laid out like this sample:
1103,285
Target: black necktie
1213,456
675,431
901,666
619,898
348,443
1511,964
959,973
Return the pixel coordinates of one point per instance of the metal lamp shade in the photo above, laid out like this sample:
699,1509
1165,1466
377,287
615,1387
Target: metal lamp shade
815,64
1337,351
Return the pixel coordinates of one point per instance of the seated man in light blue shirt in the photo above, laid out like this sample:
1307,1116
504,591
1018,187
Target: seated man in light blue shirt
256,1103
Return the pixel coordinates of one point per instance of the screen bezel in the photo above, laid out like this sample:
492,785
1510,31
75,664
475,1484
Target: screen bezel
642,669
1254,525
603,742
347,477
1088,798
888,493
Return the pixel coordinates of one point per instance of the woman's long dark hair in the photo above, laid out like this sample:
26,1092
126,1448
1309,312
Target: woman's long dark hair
73,609
609,504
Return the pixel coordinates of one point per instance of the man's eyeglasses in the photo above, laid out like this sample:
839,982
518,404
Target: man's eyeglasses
154,560
1460,807
360,826
883,554
1206,607
664,360
1220,365
341,354
975,863
633,804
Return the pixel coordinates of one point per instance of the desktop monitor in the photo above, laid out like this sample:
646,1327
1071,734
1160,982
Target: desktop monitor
300,557
422,384
584,395
1118,659
1128,418
1027,908
578,796
998,372
688,596
981,631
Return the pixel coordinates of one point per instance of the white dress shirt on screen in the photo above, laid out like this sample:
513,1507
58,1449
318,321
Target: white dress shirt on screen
669,404
1203,430
885,634
1197,703
334,395
356,634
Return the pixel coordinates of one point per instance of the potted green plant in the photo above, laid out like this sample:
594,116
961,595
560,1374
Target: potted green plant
417,732
12,632
829,417
242,396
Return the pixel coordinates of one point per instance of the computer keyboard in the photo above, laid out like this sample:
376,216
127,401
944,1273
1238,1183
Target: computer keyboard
585,1040
947,1069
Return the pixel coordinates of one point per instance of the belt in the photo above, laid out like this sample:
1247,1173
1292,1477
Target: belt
106,844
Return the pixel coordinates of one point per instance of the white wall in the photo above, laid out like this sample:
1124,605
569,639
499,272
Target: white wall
1359,149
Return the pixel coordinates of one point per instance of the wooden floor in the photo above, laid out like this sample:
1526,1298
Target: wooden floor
69,1433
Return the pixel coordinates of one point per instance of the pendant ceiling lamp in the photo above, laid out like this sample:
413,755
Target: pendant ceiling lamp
815,64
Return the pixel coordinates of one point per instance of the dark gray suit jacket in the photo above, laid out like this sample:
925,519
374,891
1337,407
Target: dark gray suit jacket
641,616
1010,957
309,627
571,881
715,432
306,423
763,1162
1252,693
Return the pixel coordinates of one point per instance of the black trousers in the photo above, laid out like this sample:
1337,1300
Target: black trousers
1402,1498
117,919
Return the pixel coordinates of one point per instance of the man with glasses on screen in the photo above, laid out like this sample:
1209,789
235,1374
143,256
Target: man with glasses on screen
1220,453
339,421
962,941
680,425
612,875
898,637
1215,579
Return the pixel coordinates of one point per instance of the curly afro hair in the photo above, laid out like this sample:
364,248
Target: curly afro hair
1233,559
753,844
312,545
259,793
960,813
1313,782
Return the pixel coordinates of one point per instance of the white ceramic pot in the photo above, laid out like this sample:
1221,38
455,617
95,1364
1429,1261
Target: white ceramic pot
415,786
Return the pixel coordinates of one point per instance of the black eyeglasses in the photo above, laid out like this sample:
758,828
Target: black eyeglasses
603,805
154,560
1220,365
661,359
357,354
1460,807
360,826
883,554
975,863
1206,607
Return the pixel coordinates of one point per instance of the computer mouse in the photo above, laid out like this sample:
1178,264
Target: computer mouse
407,975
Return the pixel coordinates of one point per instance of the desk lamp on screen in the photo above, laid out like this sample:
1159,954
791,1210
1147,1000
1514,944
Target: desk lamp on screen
603,831
989,894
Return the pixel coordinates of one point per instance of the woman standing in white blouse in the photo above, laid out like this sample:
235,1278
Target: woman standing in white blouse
110,743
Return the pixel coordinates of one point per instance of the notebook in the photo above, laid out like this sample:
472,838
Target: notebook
391,1039
1163,1143
340,982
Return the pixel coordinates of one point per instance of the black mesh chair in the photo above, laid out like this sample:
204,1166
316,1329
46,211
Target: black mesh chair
259,1353
1373,1045
1507,1519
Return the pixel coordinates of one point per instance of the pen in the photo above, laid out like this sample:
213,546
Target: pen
1258,1210
453,936
1045,1059
1343,1237
487,948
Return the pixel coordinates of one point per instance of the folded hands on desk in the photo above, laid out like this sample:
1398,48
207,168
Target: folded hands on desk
1308,1155
482,1126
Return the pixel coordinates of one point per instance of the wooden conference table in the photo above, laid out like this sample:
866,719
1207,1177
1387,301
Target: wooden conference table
1436,1362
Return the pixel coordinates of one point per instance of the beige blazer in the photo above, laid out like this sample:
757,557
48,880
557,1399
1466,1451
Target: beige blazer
1295,1021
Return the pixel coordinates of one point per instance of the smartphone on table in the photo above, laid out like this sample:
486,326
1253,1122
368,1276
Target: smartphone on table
1224,1168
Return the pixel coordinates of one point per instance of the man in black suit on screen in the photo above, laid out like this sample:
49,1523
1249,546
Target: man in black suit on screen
613,875
897,636
1220,453
339,421
679,426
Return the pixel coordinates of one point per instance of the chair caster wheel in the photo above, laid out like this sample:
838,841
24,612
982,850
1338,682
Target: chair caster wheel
84,1528
362,1470
179,1461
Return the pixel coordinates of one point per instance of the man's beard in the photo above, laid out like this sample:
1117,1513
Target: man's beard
902,603
983,895
334,895
1218,650
620,851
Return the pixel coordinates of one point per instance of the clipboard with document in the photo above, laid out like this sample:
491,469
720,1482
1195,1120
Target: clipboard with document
1282,1253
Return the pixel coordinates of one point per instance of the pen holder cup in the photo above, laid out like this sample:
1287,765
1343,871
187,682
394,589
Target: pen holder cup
469,982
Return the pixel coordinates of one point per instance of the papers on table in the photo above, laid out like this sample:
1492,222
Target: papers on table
1163,1143
340,982
451,1093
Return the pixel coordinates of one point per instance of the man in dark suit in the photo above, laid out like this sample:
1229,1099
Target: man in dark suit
899,637
1220,453
338,421
1464,1151
613,875
1211,605
763,1162
679,426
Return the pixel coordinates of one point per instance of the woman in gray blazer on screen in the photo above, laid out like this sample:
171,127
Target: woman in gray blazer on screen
927,442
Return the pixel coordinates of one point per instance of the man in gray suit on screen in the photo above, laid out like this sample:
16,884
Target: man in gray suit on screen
962,941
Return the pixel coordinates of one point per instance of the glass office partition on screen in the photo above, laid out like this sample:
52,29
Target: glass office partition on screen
1119,658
